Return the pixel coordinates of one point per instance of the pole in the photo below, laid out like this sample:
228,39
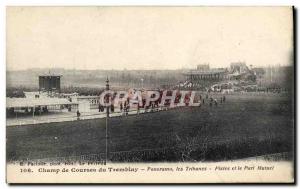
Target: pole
106,124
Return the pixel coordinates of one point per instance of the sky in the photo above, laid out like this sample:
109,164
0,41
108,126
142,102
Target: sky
147,37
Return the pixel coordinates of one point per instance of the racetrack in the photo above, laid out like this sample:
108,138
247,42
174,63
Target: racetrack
243,126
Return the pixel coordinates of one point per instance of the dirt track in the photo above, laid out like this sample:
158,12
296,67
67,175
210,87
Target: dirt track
244,126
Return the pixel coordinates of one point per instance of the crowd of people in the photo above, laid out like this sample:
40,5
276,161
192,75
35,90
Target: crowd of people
124,106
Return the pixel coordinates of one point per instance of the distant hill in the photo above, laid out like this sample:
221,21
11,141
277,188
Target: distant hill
97,78
280,75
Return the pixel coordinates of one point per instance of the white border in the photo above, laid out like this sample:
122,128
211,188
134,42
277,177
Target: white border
5,3
154,2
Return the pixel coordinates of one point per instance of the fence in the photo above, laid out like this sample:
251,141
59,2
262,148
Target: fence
225,149
63,118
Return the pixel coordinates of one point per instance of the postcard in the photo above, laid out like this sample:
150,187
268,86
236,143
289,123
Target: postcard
150,94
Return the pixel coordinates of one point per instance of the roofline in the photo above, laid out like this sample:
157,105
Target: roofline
203,73
50,75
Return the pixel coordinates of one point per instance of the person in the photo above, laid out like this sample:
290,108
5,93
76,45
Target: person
125,105
138,109
203,101
100,108
152,107
216,102
221,100
156,103
121,107
112,108
224,98
78,115
127,108
45,109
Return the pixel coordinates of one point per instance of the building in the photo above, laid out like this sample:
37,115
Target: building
239,67
203,67
37,106
46,100
49,83
87,103
203,77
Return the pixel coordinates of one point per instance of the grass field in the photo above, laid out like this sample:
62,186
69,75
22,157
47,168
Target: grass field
243,126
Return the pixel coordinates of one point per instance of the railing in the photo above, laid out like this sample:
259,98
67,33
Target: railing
61,118
175,153
115,156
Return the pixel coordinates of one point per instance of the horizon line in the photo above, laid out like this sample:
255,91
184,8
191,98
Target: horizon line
124,69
